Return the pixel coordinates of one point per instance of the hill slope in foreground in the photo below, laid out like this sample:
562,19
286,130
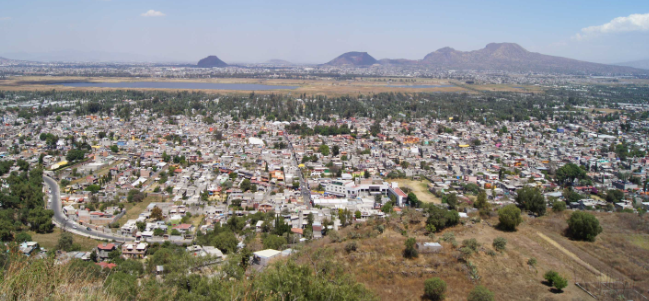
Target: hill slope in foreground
326,267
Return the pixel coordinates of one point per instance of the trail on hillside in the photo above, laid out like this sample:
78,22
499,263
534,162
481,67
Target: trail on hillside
574,257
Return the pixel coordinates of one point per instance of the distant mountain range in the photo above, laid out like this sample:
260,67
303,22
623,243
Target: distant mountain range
211,61
353,58
279,62
85,56
495,56
642,64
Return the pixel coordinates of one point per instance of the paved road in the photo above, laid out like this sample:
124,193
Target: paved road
304,187
63,222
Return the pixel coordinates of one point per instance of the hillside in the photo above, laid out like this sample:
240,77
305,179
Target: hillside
4,60
353,58
211,61
279,62
513,57
641,64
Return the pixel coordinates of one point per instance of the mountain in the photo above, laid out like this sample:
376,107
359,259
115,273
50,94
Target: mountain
642,64
513,57
4,60
353,58
211,61
279,62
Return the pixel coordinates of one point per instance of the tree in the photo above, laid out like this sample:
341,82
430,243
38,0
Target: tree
114,148
509,217
531,199
583,226
274,242
156,213
357,214
335,150
324,149
141,226
366,174
410,251
5,230
568,173
481,293
481,203
23,236
66,242
558,206
40,220
158,232
245,185
441,218
500,243
413,200
75,154
451,200
434,288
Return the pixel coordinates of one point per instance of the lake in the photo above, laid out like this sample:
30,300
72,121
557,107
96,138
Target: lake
422,86
176,85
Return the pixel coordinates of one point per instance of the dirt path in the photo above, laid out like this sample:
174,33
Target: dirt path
573,256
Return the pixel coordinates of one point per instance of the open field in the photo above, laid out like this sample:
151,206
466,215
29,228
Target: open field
310,87
133,210
420,188
50,240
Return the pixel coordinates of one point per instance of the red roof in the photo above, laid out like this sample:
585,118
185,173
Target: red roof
104,265
297,230
183,226
106,247
400,193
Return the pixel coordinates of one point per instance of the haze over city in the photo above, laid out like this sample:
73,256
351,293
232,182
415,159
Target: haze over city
306,32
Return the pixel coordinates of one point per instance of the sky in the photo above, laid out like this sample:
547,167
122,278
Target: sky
317,31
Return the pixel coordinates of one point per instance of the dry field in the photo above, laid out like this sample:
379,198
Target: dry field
419,188
363,86
619,253
50,240
133,210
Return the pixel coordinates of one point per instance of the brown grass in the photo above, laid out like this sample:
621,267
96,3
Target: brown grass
419,188
133,210
379,263
310,87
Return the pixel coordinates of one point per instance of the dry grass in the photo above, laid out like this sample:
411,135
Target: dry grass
619,252
317,87
49,240
420,188
133,210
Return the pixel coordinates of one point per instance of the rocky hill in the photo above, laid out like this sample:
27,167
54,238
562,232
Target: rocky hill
642,64
211,61
513,57
353,58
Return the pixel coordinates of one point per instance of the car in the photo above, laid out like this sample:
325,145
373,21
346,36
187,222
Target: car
88,228
75,227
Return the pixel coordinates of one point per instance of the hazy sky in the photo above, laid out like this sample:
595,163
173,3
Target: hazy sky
317,31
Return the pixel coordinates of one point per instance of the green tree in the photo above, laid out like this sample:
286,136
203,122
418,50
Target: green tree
274,242
245,185
435,288
481,202
324,149
558,206
568,173
451,200
531,199
509,217
583,226
410,250
500,243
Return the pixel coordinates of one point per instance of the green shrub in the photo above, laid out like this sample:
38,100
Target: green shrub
471,244
351,247
434,288
509,217
481,293
558,206
583,226
550,276
411,250
531,261
500,243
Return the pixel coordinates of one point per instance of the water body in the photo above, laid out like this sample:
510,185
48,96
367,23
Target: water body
423,86
176,85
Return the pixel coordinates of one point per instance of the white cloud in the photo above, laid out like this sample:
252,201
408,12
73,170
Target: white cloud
153,13
634,22
5,18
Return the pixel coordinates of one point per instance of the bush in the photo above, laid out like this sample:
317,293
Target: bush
550,276
351,247
471,244
559,206
481,293
509,217
434,288
583,226
410,251
531,261
500,243
491,252
554,279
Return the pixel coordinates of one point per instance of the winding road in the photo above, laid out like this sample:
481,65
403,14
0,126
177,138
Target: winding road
63,222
